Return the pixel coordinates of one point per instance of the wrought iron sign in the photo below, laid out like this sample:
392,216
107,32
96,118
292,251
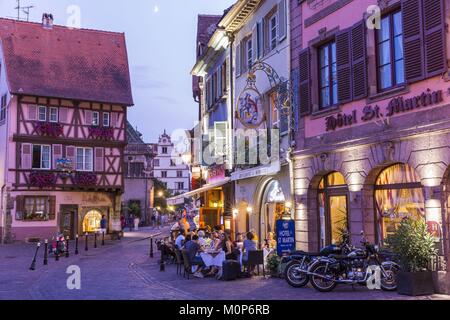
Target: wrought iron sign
250,110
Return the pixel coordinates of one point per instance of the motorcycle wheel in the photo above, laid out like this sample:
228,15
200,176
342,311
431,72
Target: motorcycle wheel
295,278
389,283
319,283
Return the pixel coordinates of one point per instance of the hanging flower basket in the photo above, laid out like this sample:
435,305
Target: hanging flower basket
42,180
49,129
85,179
101,133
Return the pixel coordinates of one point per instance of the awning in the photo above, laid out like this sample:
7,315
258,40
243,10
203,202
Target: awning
176,199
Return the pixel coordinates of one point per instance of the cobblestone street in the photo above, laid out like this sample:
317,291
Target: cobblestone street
123,270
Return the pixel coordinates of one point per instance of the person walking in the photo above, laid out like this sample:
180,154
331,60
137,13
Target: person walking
103,224
122,222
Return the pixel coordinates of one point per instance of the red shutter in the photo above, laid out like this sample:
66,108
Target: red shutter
434,35
344,66
70,155
304,82
63,115
99,159
359,61
32,112
88,117
413,40
26,155
57,154
114,119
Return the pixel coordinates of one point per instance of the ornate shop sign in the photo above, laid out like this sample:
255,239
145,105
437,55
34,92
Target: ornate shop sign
249,110
395,106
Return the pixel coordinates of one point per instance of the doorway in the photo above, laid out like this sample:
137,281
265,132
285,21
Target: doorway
91,221
274,206
68,220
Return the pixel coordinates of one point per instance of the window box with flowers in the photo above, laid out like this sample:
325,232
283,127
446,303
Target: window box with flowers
49,129
42,179
85,179
101,133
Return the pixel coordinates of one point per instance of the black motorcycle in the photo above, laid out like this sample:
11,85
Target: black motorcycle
298,262
357,267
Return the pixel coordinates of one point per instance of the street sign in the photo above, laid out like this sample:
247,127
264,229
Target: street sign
285,236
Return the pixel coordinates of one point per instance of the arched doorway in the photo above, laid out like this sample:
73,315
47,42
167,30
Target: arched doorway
398,194
272,209
332,209
91,221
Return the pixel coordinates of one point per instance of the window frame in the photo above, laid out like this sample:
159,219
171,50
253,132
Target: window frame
164,174
332,103
108,117
39,113
50,109
164,150
41,161
84,169
95,118
272,40
45,215
3,105
249,52
392,52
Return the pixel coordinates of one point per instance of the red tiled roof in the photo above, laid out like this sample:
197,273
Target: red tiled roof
79,64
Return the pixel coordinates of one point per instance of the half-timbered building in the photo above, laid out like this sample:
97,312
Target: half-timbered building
65,94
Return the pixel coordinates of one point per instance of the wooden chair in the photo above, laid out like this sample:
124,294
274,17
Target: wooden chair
255,259
179,261
187,264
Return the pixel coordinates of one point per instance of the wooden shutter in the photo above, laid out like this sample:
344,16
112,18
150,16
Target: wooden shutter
32,112
20,207
238,60
52,207
57,154
88,118
282,20
359,61
434,35
283,114
99,159
255,43
304,82
219,82
114,119
70,155
260,38
26,156
63,115
224,77
413,40
344,66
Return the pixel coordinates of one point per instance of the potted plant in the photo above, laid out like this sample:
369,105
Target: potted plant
273,264
414,247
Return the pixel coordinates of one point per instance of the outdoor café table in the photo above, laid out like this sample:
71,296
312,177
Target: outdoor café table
213,258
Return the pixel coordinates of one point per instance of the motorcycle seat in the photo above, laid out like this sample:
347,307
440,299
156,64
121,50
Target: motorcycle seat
338,256
303,253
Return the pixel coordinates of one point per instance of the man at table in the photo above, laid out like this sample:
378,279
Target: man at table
192,248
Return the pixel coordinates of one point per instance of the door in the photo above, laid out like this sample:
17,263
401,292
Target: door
337,217
68,215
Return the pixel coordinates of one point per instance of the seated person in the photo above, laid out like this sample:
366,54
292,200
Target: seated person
228,248
192,248
179,241
201,238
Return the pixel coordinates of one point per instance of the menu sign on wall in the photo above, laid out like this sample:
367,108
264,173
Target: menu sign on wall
373,112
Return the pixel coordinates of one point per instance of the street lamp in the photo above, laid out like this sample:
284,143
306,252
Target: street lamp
160,194
249,210
235,213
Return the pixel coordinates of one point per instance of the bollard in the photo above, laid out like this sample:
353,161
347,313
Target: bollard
57,250
103,238
76,244
95,239
86,243
33,263
67,246
46,252
151,247
162,266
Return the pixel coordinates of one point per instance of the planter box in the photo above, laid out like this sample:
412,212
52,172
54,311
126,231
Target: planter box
441,281
415,283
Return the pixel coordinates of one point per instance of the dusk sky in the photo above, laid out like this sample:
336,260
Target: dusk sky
161,36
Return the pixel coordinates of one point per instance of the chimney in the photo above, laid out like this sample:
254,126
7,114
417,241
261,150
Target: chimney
47,21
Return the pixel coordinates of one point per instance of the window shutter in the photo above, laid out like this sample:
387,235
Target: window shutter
224,77
283,114
304,82
52,207
238,60
219,82
70,155
359,61
413,40
99,157
255,43
260,38
20,207
434,33
344,66
63,115
27,150
114,119
32,112
57,154
282,20
88,117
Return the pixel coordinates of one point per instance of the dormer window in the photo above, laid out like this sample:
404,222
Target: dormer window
95,118
42,113
106,119
53,114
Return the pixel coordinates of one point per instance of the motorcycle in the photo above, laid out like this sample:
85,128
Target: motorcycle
356,267
298,262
